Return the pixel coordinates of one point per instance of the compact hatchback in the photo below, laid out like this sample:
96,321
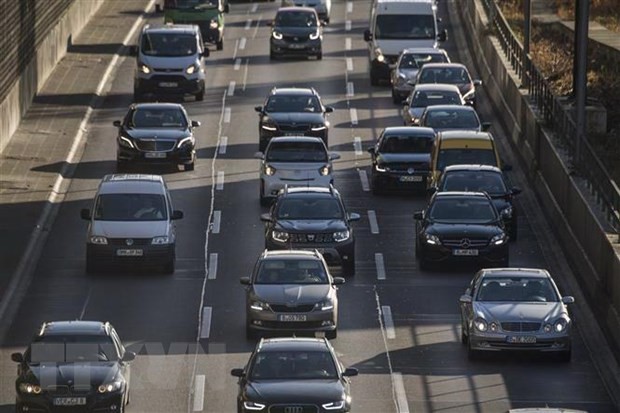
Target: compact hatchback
296,31
132,221
453,74
452,117
429,94
294,161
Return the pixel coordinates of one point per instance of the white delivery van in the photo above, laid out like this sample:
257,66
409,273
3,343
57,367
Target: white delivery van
396,25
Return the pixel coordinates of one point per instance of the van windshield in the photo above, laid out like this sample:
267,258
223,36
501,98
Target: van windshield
191,4
455,156
130,207
405,26
168,44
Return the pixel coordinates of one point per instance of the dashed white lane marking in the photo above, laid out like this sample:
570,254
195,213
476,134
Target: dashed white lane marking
353,113
254,8
357,145
217,219
388,321
226,115
401,396
212,266
349,7
237,63
245,73
349,64
350,90
248,24
372,220
223,144
347,25
231,88
205,327
364,180
234,55
380,265
199,393
347,43
255,32
242,43
219,181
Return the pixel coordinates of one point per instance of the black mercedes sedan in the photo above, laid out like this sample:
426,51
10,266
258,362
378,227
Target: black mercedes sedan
74,366
461,227
401,158
296,375
156,133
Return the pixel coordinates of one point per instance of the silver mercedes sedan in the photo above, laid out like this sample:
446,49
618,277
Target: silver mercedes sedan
515,309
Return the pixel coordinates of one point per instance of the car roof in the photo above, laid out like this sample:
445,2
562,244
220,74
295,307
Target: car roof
427,87
429,50
168,28
78,327
461,194
292,343
443,65
293,91
132,184
471,167
309,190
296,139
409,130
515,272
450,107
153,105
465,134
297,8
290,254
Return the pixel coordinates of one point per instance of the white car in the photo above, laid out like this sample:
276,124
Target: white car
294,161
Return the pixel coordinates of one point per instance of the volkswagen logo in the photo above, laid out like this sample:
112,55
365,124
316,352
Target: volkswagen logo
465,243
129,241
296,39
410,171
293,409
311,237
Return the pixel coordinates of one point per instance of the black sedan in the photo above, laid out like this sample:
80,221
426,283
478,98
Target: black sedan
73,366
296,31
401,158
294,375
159,133
461,227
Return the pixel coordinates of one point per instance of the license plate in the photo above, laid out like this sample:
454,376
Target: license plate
69,401
466,253
156,155
296,46
293,134
521,339
292,317
129,253
168,84
411,178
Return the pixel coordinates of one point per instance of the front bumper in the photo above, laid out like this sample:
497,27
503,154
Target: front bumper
440,253
152,255
181,156
304,48
168,85
269,320
400,180
499,342
334,254
44,402
273,184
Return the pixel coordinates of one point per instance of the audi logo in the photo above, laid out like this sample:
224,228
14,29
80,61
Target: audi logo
293,409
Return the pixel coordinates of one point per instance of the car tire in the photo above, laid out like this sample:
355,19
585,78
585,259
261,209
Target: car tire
189,166
348,267
331,335
200,96
375,188
219,45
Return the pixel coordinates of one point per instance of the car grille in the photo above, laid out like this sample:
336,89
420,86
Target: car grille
282,308
123,241
307,408
168,78
295,39
299,127
60,390
167,70
519,326
459,243
314,238
153,145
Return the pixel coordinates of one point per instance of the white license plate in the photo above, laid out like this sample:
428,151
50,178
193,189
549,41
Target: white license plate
296,46
156,155
129,253
69,401
465,253
293,134
168,84
292,317
521,339
411,178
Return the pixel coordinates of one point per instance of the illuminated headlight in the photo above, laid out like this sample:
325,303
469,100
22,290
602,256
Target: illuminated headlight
325,305
481,324
381,168
269,127
144,68
30,388
341,235
280,236
99,240
560,325
191,69
432,239
507,212
334,405
324,171
253,406
276,35
110,387
185,141
269,170
123,141
498,239
379,55
259,306
318,127
213,24
164,239
315,35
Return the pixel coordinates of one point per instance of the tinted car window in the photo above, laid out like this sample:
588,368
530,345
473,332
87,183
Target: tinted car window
309,208
168,44
406,144
279,365
452,118
296,152
521,289
157,118
459,210
130,207
291,272
422,99
296,19
489,182
449,157
281,103
71,349
449,75
190,4
405,26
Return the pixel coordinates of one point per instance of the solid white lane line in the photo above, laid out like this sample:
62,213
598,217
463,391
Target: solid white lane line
388,321
349,7
242,43
205,327
220,181
347,43
353,113
199,393
212,266
401,396
372,219
217,218
364,180
380,266
349,64
226,115
347,25
245,73
222,145
237,63
254,8
350,89
248,24
231,88
234,55
357,145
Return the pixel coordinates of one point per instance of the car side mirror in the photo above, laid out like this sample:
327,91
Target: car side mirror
443,35
259,155
17,357
244,280
568,299
477,82
236,372
367,35
85,214
117,123
206,52
418,215
515,190
129,356
195,124
177,214
265,217
507,168
353,216
350,372
258,109
334,156
465,299
486,126
227,8
431,190
338,281
329,109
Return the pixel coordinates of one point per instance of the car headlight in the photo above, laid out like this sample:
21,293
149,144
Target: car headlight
481,324
381,168
29,388
162,240
499,239
269,127
507,212
253,406
318,127
334,405
276,35
213,24
99,240
269,170
325,170
379,55
341,235
185,141
191,69
493,327
110,387
315,35
259,306
125,142
560,325
432,239
280,236
144,68
326,305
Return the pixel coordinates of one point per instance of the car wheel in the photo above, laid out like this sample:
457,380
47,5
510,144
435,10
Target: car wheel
348,267
220,44
375,187
424,264
200,96
189,166
565,356
331,335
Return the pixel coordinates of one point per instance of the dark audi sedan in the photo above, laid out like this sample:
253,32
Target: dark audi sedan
294,375
73,366
156,133
461,227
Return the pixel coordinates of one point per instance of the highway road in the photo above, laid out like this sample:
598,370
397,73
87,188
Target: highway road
398,325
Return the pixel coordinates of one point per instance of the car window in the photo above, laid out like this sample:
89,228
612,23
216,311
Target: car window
465,156
422,99
71,349
296,103
451,119
522,289
406,144
423,58
190,4
130,207
483,181
309,208
462,210
405,26
448,75
296,152
157,118
169,44
408,61
296,19
291,272
287,365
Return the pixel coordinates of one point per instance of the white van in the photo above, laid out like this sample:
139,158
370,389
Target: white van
396,25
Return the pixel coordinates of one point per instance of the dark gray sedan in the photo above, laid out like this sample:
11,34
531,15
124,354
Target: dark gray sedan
515,309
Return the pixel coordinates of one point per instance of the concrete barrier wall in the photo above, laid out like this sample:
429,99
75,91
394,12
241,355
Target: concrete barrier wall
594,254
52,49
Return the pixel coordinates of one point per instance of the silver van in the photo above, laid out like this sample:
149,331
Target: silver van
132,222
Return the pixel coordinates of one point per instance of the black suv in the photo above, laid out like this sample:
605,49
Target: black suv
73,366
292,112
156,133
312,218
296,31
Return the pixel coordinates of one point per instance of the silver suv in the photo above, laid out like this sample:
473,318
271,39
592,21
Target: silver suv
132,222
294,161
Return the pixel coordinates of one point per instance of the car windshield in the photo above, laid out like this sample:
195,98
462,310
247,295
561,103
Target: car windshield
130,207
296,19
190,4
422,99
289,271
309,208
517,289
462,210
169,44
293,103
452,119
157,118
406,144
405,26
465,156
71,349
417,60
291,365
296,152
477,181
449,75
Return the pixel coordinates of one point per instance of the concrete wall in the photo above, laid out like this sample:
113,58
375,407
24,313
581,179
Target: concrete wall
52,49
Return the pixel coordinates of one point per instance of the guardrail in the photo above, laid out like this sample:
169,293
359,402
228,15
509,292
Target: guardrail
557,117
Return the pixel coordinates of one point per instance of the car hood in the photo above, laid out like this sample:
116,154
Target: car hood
294,117
394,47
387,158
291,168
129,229
316,225
295,31
416,112
475,129
169,62
409,73
292,294
463,230
511,311
295,391
153,133
95,373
